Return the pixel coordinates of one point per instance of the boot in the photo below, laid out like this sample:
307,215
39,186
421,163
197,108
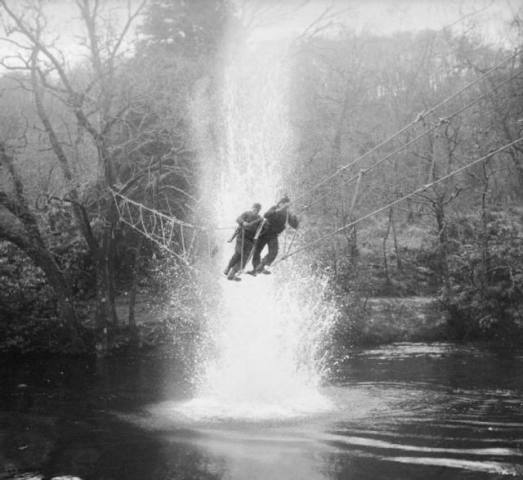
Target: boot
261,269
232,274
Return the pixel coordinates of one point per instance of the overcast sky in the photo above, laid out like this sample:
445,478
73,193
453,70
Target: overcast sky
276,18
388,16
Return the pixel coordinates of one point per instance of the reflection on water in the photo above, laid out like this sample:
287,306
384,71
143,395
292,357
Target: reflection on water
404,411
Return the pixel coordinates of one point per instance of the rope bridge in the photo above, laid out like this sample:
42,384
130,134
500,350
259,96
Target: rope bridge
182,239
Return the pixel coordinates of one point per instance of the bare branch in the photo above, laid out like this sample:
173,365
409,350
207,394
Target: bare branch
125,30
40,46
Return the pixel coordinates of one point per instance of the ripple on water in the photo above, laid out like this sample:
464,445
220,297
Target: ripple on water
330,405
413,350
394,424
217,410
38,476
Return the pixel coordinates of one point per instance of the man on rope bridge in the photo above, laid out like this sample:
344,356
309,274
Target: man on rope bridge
246,233
275,221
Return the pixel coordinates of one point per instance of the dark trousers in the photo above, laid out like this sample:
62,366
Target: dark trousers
272,244
242,251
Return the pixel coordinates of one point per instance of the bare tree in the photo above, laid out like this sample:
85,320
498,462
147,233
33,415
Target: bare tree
93,104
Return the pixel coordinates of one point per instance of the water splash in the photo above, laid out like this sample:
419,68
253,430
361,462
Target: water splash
268,332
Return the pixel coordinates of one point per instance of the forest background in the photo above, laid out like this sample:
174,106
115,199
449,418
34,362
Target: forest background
75,279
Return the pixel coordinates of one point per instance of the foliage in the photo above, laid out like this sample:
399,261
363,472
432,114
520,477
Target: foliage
23,290
68,247
354,91
110,121
487,300
180,293
28,316
125,122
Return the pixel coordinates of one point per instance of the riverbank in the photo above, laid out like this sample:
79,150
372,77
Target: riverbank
403,319
377,320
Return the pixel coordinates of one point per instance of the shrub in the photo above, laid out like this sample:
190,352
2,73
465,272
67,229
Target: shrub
487,285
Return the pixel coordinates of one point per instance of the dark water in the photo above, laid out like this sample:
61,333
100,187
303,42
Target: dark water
407,411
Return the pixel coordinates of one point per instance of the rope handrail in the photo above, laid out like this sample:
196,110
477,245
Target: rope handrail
158,242
419,117
440,122
157,213
172,219
170,233
421,135
399,200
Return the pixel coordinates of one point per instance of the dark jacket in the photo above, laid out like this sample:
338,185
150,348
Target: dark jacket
253,220
277,219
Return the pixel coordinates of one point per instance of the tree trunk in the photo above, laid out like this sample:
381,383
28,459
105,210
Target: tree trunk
21,228
485,248
134,289
410,212
395,237
443,251
384,247
42,258
352,240
60,286
105,299
518,162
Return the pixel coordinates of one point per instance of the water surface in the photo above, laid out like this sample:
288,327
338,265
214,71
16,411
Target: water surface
405,411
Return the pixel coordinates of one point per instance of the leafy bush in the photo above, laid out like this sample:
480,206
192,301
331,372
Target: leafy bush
28,316
487,284
68,248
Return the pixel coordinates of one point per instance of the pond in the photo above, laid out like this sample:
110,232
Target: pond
404,411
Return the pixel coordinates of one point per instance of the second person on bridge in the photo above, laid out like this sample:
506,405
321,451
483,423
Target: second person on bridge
275,221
